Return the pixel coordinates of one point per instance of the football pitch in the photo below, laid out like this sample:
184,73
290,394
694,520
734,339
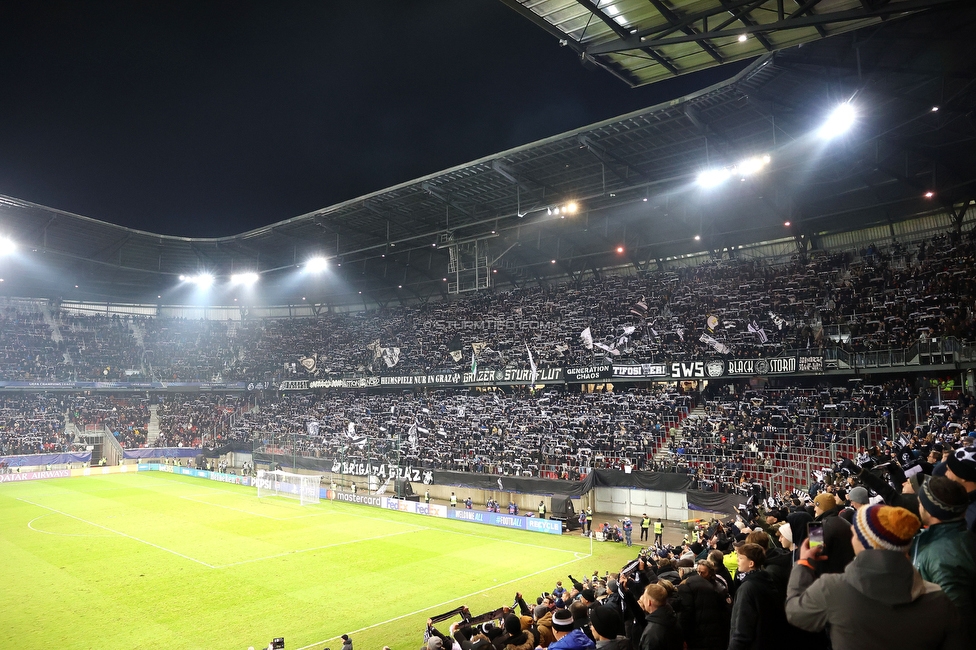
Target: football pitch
154,560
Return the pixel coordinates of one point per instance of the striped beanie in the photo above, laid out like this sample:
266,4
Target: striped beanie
886,528
943,498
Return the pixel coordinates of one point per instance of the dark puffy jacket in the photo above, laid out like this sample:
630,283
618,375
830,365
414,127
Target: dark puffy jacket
758,614
779,562
945,553
837,543
661,631
705,613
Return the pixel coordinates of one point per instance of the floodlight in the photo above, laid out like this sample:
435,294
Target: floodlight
753,165
571,207
7,246
743,38
204,280
246,279
839,121
713,177
316,265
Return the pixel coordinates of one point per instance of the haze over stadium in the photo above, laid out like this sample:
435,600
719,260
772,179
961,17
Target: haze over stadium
435,270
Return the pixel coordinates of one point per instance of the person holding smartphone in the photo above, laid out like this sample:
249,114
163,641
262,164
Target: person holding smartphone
836,534
880,602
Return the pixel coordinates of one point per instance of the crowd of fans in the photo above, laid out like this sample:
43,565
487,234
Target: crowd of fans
746,435
840,566
874,299
555,434
198,420
33,424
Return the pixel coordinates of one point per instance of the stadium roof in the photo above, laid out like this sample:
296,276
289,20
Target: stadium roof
643,41
632,177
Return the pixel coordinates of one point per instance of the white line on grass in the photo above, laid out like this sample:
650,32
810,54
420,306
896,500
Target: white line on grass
117,532
446,602
316,548
247,512
30,524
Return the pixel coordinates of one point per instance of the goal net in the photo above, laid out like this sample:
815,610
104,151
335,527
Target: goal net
303,487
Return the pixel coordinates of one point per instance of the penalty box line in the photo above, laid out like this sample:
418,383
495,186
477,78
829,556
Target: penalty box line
452,600
120,533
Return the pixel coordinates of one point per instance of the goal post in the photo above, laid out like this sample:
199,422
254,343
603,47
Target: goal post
303,487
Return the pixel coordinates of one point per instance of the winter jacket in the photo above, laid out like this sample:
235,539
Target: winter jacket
704,614
661,631
723,572
544,627
575,640
779,563
880,602
523,641
620,643
945,553
758,613
837,542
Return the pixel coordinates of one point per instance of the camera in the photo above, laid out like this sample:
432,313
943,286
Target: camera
277,643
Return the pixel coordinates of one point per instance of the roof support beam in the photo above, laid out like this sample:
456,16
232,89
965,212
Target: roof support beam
794,21
623,33
744,18
430,189
673,18
612,161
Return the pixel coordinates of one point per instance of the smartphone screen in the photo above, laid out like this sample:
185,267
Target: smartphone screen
815,533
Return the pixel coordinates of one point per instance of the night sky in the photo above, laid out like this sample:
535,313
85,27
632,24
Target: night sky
206,119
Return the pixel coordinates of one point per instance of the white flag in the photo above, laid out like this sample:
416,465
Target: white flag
391,356
758,331
531,365
587,338
721,348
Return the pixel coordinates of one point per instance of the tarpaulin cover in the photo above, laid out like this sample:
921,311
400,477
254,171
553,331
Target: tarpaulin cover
162,452
714,501
32,460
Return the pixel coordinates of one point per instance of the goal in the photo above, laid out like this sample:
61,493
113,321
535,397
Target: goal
304,487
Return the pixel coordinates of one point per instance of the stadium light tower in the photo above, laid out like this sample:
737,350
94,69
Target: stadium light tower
840,120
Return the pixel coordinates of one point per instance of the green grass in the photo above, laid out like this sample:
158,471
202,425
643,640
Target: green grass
155,560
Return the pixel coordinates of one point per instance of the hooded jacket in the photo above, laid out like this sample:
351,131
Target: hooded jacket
945,553
575,640
758,616
880,602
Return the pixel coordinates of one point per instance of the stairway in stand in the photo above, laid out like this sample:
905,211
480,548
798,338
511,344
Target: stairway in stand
664,451
153,432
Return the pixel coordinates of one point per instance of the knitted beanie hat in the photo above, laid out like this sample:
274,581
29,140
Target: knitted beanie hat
944,499
886,527
859,495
